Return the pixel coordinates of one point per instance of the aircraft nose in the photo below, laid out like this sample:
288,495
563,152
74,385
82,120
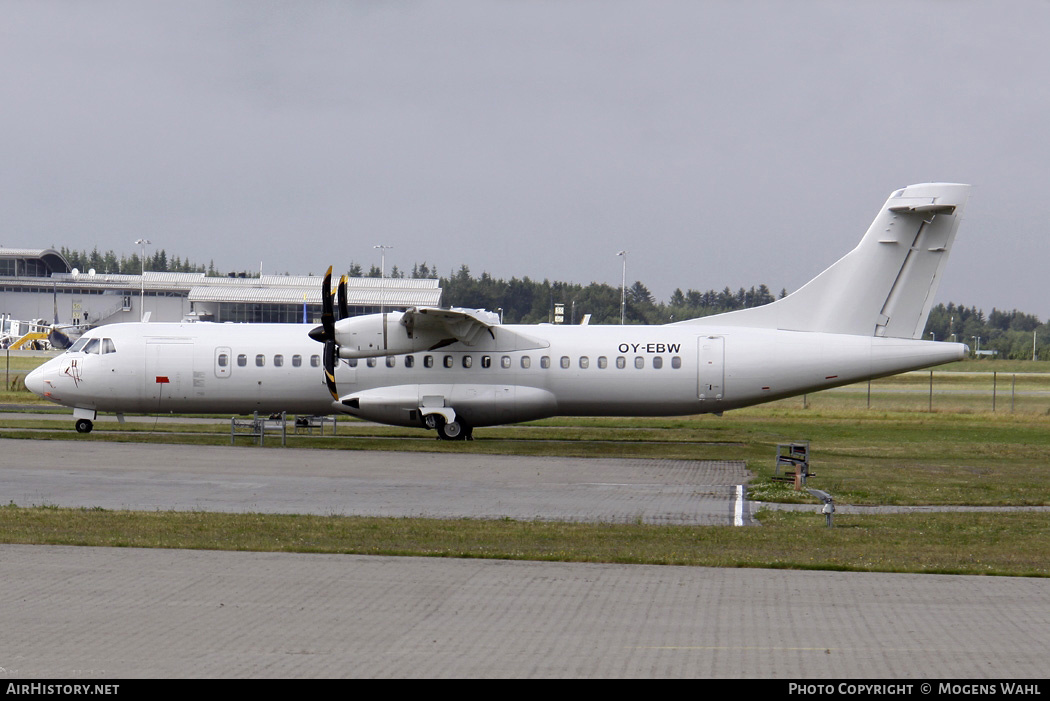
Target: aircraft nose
35,382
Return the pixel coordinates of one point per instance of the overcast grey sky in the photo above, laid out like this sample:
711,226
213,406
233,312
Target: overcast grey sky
720,143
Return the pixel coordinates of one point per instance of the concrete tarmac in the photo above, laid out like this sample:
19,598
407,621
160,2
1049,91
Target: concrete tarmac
124,613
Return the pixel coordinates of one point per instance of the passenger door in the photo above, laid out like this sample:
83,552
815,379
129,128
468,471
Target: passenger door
711,369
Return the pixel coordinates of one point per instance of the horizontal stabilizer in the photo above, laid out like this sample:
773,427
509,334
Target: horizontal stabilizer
926,210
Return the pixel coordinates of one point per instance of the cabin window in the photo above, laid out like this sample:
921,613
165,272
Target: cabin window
468,360
391,361
428,361
603,362
585,362
486,361
621,362
526,361
107,346
315,361
371,362
224,360
352,362
297,361
448,361
676,362
260,360
242,360
658,363
565,361
639,362
410,360
278,361
504,362
545,362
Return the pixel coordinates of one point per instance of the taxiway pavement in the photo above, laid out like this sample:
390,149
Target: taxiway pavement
152,477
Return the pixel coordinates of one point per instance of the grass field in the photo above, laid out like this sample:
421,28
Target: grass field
1001,544
896,452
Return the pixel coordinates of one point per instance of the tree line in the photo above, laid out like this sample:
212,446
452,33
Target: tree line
1012,335
109,263
526,301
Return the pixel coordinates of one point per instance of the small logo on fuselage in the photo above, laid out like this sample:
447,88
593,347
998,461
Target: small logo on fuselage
73,370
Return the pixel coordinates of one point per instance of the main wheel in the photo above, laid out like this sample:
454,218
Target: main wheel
84,425
452,431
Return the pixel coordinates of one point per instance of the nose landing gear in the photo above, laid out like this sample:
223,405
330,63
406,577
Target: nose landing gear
84,419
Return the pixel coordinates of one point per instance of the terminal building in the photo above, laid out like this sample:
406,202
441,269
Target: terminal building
40,284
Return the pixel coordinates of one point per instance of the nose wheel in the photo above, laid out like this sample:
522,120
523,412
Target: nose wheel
84,425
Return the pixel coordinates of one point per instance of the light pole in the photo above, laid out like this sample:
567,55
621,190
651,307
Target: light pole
142,281
382,277
623,289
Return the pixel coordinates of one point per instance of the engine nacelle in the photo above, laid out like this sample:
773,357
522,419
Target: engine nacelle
372,335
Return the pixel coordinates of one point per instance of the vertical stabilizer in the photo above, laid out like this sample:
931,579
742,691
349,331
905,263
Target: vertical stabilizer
883,287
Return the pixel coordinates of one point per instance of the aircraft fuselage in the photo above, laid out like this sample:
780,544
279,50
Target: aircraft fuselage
572,371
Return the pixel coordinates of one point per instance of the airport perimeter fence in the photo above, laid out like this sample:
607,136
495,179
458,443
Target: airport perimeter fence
938,391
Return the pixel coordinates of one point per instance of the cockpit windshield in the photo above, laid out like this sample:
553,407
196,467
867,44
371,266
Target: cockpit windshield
93,345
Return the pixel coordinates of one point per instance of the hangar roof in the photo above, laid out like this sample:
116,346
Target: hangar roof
272,289
52,259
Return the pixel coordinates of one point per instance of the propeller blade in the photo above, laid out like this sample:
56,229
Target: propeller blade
325,333
344,309
327,313
329,368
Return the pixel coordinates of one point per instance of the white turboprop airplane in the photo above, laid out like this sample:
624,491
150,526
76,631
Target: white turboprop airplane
454,369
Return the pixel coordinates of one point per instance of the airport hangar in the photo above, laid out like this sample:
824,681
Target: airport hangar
40,284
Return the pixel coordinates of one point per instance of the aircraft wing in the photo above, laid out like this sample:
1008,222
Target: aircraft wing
467,326
471,327
425,329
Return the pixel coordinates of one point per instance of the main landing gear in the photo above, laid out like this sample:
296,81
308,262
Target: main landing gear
448,430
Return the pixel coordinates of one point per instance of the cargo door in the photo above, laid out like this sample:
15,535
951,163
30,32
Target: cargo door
169,370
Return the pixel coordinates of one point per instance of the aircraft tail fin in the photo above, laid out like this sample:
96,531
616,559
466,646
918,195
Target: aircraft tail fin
883,287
